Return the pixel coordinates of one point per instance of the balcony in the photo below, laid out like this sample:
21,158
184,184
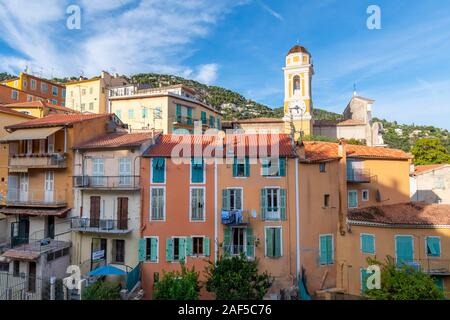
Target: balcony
358,176
184,120
31,248
36,197
236,250
38,160
107,182
235,217
100,225
432,266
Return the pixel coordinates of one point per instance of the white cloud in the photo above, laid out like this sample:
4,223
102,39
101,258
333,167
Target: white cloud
124,36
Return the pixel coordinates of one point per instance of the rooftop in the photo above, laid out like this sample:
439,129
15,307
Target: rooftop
40,104
411,213
7,110
56,120
117,140
427,168
298,49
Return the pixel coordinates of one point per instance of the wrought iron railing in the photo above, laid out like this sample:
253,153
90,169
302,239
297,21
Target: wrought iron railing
38,160
235,250
358,175
100,225
107,182
36,197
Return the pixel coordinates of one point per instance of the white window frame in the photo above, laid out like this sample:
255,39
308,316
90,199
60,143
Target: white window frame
278,176
244,176
33,84
440,247
362,195
278,202
374,242
242,196
16,94
164,207
53,91
204,204
173,249
348,196
197,255
332,248
281,241
157,249
128,175
190,173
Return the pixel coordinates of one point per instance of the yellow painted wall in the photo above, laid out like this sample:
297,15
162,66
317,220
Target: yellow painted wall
95,94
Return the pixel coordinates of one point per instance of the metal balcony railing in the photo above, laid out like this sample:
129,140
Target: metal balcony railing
434,266
106,182
38,160
100,225
36,197
37,245
185,120
358,175
235,250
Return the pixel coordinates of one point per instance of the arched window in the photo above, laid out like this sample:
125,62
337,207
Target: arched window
296,85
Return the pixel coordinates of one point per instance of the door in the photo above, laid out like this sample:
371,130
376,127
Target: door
50,228
122,213
98,252
97,172
238,245
49,186
20,231
404,250
95,212
23,189
32,277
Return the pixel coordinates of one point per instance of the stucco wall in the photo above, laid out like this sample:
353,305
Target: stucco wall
432,187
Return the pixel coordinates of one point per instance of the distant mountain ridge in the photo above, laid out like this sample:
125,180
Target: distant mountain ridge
235,106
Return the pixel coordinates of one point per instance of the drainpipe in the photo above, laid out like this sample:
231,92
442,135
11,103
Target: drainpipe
342,178
297,217
215,211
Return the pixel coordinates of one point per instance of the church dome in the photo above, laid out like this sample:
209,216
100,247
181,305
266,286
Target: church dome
298,49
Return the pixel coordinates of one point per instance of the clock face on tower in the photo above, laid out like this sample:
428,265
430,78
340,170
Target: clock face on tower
297,107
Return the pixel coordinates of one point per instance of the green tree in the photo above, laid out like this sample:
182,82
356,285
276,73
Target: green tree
403,283
102,290
177,285
430,151
236,278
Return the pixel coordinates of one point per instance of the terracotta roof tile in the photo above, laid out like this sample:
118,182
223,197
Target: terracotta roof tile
251,142
4,109
411,213
430,167
40,104
117,140
320,151
56,120
297,48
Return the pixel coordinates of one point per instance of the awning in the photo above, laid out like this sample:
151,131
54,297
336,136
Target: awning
21,255
60,213
30,134
107,271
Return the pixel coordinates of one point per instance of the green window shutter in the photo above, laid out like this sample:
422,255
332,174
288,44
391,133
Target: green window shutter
439,282
329,249
189,114
404,249
158,167
247,166
265,167
227,239
226,199
178,112
250,248
367,243
141,250
203,117
154,249
197,170
269,242
282,167
169,250
188,246
263,203
283,204
206,246
352,199
235,167
364,277
182,245
277,242
433,247
324,251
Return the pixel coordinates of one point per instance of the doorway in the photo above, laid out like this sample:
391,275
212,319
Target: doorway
49,186
122,213
98,252
95,212
50,227
32,277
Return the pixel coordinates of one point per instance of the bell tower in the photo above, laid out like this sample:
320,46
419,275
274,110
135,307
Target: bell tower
298,73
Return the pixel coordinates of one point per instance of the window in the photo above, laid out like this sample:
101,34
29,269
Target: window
404,249
55,91
91,106
44,87
197,170
363,277
98,171
16,83
91,90
54,102
16,268
197,246
25,83
4,267
83,107
63,93
322,167
365,195
367,243
197,204
33,84
130,113
237,240
241,167
157,206
158,170
231,199
212,121
296,89
144,113
83,92
273,167
125,172
433,246
219,125
438,182
175,249
14,95
326,249
273,242
119,114
203,117
29,98
353,199
273,204
326,200
118,253
151,249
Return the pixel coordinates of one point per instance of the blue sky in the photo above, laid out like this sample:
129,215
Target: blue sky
241,45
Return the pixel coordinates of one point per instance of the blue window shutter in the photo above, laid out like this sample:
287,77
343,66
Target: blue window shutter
367,243
247,166
141,250
364,277
433,247
250,250
282,167
326,250
178,112
203,116
277,242
158,169
404,249
182,249
188,246
169,250
235,167
263,203
206,246
283,204
269,242
227,240
225,199
189,114
154,249
197,170
329,249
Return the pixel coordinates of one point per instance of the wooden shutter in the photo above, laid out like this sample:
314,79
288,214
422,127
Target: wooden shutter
206,246
283,204
278,240
282,164
189,246
95,211
263,203
153,249
247,166
250,248
235,167
404,248
323,250
227,239
141,249
364,277
225,199
182,249
238,198
269,242
122,213
169,250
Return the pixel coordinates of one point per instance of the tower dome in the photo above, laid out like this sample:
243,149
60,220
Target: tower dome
298,49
